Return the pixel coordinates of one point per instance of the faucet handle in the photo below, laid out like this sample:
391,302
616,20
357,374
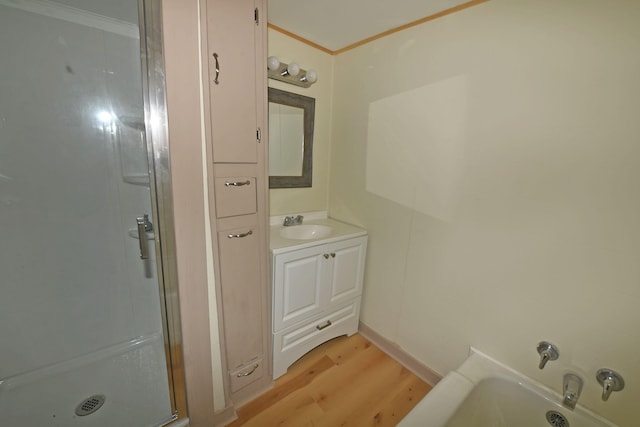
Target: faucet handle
610,381
292,220
547,351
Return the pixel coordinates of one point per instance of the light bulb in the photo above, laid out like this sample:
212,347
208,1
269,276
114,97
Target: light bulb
273,63
311,76
293,69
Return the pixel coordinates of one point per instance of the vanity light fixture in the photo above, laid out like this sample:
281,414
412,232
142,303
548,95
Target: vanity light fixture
290,73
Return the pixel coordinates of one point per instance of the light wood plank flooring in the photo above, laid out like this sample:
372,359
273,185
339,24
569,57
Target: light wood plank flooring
345,382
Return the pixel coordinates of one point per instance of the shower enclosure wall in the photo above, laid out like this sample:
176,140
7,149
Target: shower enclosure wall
82,327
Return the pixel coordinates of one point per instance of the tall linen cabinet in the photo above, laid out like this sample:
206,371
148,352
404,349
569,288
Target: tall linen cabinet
235,105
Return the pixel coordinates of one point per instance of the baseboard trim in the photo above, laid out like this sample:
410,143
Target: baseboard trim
396,352
241,398
225,416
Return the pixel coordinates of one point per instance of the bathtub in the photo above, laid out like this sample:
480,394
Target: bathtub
482,392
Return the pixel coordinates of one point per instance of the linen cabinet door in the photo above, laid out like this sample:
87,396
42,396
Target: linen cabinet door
300,279
241,295
348,269
232,33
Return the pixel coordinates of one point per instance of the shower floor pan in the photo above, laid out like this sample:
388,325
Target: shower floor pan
123,385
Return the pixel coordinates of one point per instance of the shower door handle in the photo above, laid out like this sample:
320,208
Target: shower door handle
144,225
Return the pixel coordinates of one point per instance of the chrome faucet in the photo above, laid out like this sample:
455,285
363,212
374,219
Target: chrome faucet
571,388
610,381
547,352
292,220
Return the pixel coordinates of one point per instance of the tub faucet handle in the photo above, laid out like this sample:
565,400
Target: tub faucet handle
547,352
610,381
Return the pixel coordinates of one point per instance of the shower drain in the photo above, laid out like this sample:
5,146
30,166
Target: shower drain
90,405
556,419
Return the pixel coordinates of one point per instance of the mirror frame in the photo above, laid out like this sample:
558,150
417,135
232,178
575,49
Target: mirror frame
309,106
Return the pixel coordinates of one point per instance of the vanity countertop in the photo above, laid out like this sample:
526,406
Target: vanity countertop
339,231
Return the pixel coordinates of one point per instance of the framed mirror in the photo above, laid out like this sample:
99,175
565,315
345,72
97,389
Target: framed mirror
291,121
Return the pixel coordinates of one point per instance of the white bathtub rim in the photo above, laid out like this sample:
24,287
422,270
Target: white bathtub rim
491,367
439,405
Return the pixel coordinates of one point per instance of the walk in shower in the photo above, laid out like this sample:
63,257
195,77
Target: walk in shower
84,326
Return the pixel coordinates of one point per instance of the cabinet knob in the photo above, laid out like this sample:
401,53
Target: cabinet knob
326,325
326,256
216,81
237,183
240,235
333,254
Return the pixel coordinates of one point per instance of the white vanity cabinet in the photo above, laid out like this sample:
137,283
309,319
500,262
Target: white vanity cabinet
316,295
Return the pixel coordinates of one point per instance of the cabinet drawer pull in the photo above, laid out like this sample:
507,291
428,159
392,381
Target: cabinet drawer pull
326,325
216,81
246,374
236,183
240,235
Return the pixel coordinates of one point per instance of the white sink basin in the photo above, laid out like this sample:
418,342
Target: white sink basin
306,232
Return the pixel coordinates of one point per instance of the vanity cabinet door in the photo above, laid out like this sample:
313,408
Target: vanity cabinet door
300,279
347,271
232,33
316,297
308,281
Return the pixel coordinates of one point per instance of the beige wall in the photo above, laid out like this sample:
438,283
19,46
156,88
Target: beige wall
290,200
493,155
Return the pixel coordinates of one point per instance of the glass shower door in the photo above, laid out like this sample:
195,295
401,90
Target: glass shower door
81,339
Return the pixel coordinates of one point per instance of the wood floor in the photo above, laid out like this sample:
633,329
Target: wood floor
345,382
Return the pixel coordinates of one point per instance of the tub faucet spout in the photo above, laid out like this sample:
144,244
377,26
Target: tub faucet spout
572,387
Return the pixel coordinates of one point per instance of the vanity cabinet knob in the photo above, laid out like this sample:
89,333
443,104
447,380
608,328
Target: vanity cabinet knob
333,254
326,256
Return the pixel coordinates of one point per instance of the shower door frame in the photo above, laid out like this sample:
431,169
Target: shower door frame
157,140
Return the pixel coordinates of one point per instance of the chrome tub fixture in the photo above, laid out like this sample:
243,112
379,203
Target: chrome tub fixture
610,381
571,389
547,352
